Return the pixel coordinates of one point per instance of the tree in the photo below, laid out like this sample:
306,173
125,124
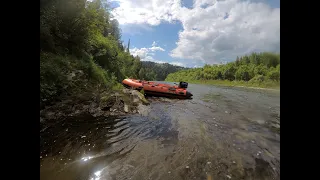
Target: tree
237,61
142,73
128,46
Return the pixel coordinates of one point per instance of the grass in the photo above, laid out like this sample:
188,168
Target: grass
263,84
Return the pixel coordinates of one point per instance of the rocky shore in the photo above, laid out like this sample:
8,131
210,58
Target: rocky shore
126,101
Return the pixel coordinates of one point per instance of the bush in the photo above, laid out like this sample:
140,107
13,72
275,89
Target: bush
258,79
65,75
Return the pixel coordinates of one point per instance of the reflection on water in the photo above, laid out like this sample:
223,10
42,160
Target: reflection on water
86,158
222,133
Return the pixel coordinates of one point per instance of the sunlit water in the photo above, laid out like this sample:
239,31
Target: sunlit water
222,133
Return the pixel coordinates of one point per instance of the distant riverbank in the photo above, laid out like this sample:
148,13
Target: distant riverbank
255,85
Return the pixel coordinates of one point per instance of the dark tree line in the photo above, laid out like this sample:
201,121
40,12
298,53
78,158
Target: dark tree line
156,71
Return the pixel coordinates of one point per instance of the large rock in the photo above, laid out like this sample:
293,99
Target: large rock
136,93
106,102
143,109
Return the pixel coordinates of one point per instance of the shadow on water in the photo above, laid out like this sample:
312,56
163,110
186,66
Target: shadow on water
220,134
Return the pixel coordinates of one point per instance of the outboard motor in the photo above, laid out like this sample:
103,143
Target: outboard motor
189,94
183,85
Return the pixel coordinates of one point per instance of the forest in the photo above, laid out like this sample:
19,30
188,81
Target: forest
256,69
152,71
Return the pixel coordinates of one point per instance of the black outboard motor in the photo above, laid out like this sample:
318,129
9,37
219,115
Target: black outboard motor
189,94
183,85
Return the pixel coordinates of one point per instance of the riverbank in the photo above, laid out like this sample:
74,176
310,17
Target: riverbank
254,85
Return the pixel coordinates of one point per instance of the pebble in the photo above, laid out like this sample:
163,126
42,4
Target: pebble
228,176
233,162
83,136
216,125
252,141
40,157
259,152
67,129
169,172
226,112
208,162
187,167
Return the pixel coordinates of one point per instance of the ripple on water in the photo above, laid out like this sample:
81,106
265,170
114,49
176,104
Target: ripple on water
191,139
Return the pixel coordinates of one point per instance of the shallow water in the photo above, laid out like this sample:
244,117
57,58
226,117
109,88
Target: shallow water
222,133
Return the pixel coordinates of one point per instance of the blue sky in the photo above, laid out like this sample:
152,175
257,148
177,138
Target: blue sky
193,33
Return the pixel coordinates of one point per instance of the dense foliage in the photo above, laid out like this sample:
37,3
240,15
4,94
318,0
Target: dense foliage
156,71
254,68
80,48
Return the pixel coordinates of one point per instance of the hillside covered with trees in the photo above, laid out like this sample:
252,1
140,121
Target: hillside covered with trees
80,49
257,69
157,71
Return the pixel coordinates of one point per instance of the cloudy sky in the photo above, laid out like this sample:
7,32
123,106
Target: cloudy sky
192,33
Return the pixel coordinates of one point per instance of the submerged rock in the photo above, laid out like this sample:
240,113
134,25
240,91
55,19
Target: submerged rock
126,108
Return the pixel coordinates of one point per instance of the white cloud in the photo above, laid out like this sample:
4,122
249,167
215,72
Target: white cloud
213,31
146,11
146,54
154,43
142,52
160,62
228,29
177,64
135,29
156,48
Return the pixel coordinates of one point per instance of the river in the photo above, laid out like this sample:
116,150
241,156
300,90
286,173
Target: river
222,133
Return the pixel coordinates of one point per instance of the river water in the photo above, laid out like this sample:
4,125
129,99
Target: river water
222,133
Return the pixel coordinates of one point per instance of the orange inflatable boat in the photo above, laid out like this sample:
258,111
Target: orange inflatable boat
159,89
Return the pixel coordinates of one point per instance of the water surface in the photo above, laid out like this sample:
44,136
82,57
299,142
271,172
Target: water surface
222,133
